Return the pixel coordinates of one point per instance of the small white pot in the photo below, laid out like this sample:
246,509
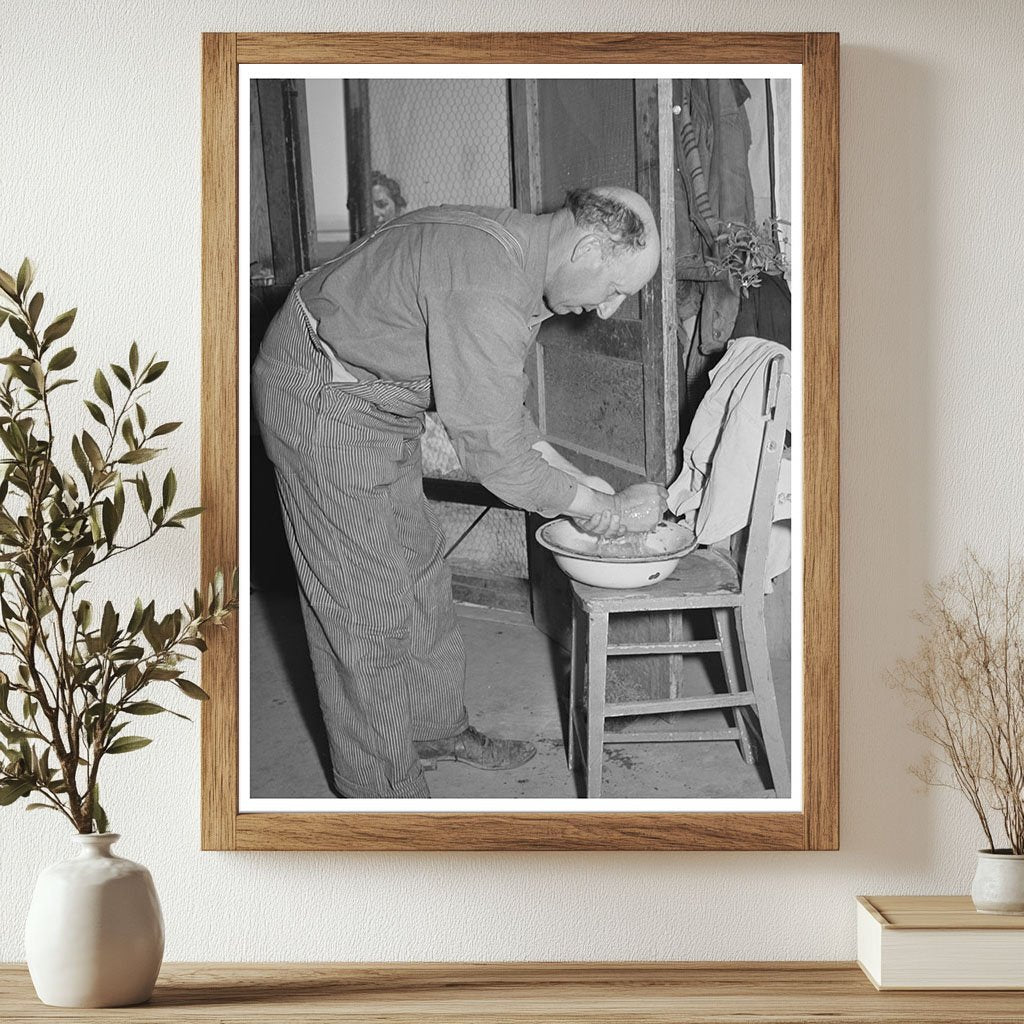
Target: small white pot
95,934
999,882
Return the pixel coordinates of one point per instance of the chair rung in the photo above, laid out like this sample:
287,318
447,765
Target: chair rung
660,707
671,737
667,647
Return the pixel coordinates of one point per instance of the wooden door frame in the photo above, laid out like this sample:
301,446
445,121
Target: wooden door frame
288,172
654,170
358,157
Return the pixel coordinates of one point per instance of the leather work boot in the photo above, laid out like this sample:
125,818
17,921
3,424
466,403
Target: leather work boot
474,748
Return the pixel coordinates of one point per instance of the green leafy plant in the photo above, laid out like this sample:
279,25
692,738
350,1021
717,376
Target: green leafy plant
743,253
81,673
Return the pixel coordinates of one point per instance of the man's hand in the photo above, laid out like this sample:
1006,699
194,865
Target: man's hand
640,507
637,509
607,523
592,513
604,524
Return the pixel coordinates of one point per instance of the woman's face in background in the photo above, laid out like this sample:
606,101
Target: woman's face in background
383,205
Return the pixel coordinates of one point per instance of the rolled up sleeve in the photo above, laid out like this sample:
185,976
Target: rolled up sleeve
477,343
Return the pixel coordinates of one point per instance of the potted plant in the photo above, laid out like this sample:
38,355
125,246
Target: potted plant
967,682
745,252
81,672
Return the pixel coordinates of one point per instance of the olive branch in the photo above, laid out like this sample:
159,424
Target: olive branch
81,674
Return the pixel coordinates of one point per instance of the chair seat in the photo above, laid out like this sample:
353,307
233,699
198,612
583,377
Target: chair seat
704,578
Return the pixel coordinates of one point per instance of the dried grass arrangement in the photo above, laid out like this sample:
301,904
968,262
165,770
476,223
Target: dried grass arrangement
966,681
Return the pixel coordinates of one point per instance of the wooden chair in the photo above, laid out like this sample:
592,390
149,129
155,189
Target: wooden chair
707,578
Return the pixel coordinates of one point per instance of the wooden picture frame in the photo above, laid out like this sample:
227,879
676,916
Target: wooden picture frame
816,825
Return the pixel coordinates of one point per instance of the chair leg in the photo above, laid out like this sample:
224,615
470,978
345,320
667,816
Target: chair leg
733,680
574,684
597,676
754,645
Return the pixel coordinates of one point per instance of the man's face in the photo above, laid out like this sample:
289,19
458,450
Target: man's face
383,205
596,279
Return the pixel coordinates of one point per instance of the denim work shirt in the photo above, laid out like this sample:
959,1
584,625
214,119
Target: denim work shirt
448,300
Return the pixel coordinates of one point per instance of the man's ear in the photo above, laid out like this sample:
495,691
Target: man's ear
588,246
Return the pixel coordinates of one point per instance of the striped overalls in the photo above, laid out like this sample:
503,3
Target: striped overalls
375,590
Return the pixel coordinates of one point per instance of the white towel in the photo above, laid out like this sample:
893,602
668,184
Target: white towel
722,450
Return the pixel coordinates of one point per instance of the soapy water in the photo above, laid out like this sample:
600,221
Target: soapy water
629,545
664,540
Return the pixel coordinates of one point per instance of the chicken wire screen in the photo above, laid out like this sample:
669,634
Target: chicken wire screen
443,140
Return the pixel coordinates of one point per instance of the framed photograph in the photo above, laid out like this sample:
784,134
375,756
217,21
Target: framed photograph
520,420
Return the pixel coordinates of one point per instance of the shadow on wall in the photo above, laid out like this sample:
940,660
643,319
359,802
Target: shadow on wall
887,323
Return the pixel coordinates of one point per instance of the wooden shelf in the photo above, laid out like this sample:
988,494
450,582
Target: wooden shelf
612,993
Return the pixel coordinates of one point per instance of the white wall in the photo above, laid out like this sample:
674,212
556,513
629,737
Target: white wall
101,184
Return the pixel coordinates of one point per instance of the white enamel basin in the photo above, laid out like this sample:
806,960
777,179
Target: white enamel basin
636,560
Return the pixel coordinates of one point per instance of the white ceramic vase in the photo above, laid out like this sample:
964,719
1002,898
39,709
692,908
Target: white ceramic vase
95,934
999,883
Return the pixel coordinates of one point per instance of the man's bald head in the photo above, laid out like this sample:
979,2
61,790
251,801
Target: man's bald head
604,246
623,217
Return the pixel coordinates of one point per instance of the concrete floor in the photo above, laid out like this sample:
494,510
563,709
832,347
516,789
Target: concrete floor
516,686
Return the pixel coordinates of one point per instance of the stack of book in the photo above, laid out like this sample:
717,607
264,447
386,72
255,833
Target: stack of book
938,942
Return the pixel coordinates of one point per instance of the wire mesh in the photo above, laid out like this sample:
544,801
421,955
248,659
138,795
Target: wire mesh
496,545
444,140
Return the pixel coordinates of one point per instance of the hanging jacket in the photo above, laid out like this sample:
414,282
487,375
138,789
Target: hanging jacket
712,187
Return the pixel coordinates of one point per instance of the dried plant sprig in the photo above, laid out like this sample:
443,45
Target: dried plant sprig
966,682
79,678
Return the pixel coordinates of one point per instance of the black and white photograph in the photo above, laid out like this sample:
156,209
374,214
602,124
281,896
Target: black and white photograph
521,515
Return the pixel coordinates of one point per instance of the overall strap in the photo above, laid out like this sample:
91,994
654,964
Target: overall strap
434,215
463,218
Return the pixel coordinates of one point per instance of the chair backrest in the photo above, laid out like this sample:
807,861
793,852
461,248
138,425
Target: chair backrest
775,413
